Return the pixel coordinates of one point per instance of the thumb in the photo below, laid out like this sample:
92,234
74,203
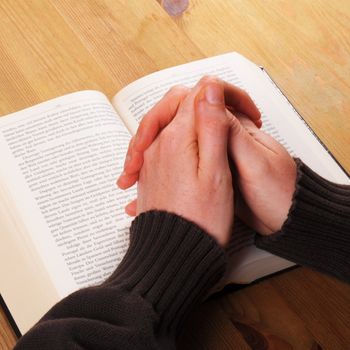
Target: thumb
212,126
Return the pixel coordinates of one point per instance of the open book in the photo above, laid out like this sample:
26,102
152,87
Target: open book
63,225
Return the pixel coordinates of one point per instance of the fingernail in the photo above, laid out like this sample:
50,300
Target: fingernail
120,177
214,94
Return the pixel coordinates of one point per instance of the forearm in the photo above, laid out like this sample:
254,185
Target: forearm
317,230
170,265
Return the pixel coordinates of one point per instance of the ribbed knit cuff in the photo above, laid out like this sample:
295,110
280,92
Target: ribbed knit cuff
317,230
170,262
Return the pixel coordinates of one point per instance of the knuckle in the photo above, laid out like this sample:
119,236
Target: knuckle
233,123
220,181
216,124
178,90
208,78
169,137
147,156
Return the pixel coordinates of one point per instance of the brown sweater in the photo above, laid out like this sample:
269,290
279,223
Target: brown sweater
171,264
317,231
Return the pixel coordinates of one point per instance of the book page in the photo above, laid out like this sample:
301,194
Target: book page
133,101
60,161
21,269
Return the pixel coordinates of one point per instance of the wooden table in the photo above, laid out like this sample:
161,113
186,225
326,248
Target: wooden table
48,48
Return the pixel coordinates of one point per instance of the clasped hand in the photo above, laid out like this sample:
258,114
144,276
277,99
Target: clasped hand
195,146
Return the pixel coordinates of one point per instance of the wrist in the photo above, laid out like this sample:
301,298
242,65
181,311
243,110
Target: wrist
171,262
285,206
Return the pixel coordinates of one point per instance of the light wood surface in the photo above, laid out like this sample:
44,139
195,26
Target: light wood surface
304,45
48,48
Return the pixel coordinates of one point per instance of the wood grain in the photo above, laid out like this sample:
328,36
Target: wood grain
304,45
48,48
7,336
299,309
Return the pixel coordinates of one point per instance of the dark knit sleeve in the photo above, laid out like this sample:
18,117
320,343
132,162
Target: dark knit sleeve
317,230
169,267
